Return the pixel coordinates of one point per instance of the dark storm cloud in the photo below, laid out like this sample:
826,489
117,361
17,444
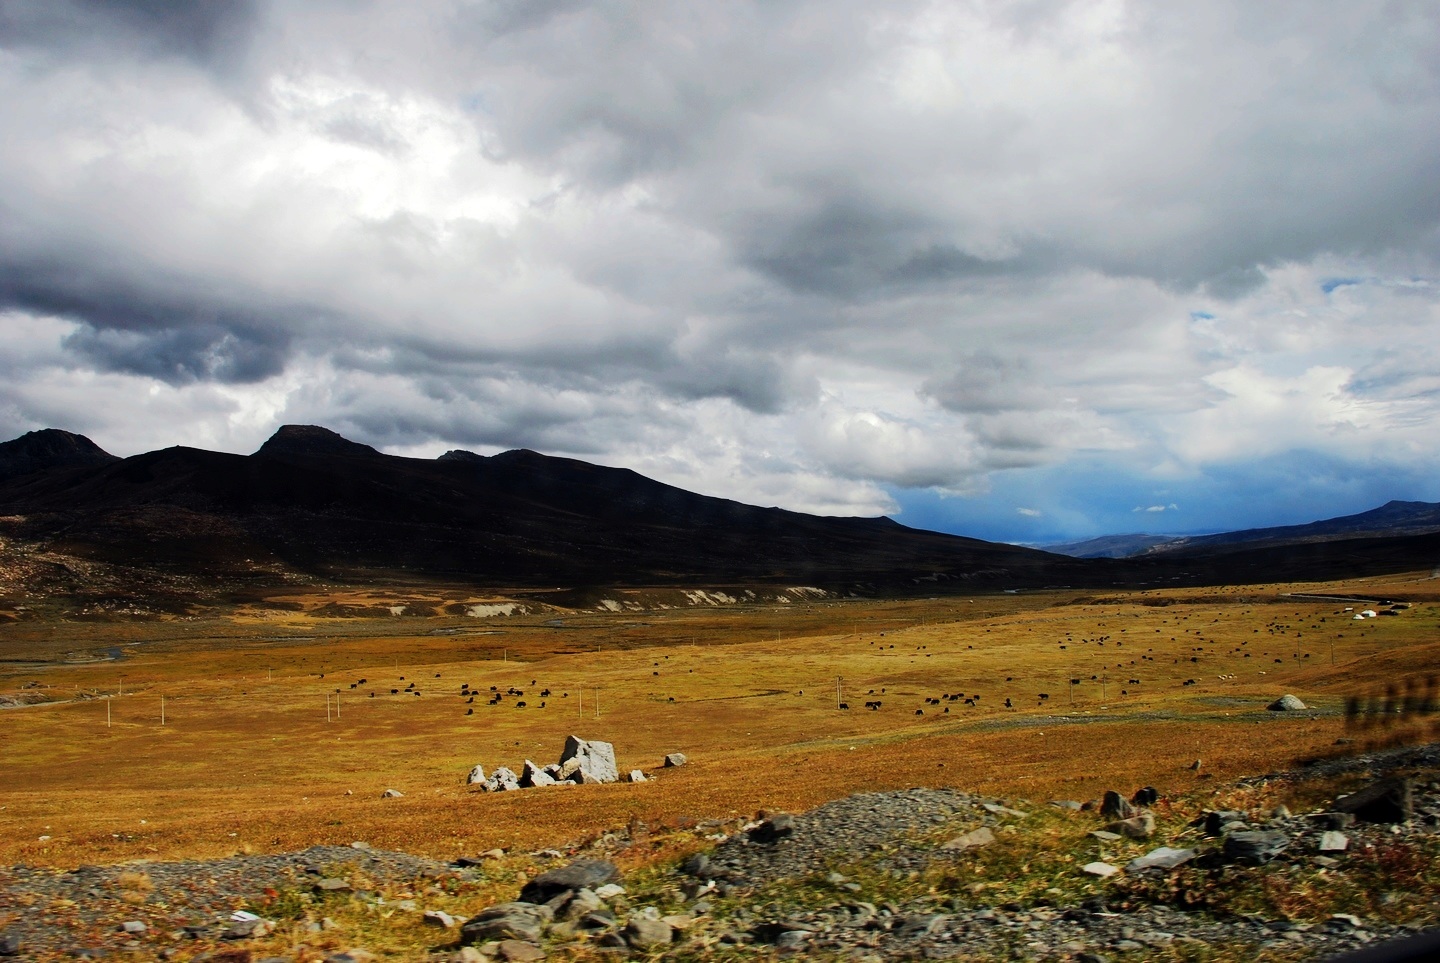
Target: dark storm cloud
167,328
205,32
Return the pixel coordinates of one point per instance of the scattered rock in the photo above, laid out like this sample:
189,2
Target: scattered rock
502,780
476,776
1384,801
581,874
1099,869
1162,858
518,951
439,918
645,934
1334,842
532,776
589,758
1255,848
392,794
1148,796
636,776
507,921
610,891
774,829
9,944
675,759
134,927
1114,806
1286,703
1215,822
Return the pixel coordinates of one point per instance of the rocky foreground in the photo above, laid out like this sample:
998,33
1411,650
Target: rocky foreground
922,873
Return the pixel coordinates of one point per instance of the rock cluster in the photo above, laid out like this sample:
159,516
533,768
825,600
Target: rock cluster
582,762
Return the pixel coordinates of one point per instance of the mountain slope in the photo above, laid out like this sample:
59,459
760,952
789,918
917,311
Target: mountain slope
1394,518
312,503
47,450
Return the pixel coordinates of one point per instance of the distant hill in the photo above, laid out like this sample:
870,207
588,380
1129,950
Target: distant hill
311,503
47,450
1392,519
1109,546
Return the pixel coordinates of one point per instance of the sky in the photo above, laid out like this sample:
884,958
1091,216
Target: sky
1030,270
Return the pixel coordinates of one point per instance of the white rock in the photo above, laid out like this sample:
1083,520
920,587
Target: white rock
595,759
476,777
1099,869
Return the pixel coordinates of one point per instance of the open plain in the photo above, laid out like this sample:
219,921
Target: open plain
249,729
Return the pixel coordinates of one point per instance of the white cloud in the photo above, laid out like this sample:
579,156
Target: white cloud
808,254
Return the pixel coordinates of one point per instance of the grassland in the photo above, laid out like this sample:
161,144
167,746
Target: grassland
258,751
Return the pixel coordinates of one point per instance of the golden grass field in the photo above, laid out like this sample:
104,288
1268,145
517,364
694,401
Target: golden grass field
247,760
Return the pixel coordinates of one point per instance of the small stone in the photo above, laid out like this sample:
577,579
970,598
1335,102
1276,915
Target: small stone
675,759
610,891
581,874
518,951
1105,837
1162,858
1286,703
1384,801
1325,862
507,921
133,926
583,902
971,840
1347,919
9,944
391,794
1334,842
1069,805
1255,848
644,934
439,918
533,776
1115,806
773,829
636,775
467,954
502,779
362,846
332,885
1099,869
476,776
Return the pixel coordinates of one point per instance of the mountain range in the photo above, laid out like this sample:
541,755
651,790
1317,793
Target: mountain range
312,505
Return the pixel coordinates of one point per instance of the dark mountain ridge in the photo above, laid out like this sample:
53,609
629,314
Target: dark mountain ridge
1394,518
311,504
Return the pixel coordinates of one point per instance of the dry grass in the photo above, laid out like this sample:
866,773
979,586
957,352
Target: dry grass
246,758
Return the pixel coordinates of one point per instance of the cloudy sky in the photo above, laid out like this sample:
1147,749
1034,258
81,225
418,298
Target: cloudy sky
1022,269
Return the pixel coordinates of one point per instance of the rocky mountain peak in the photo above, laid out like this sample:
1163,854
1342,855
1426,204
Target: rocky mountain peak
49,448
312,440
